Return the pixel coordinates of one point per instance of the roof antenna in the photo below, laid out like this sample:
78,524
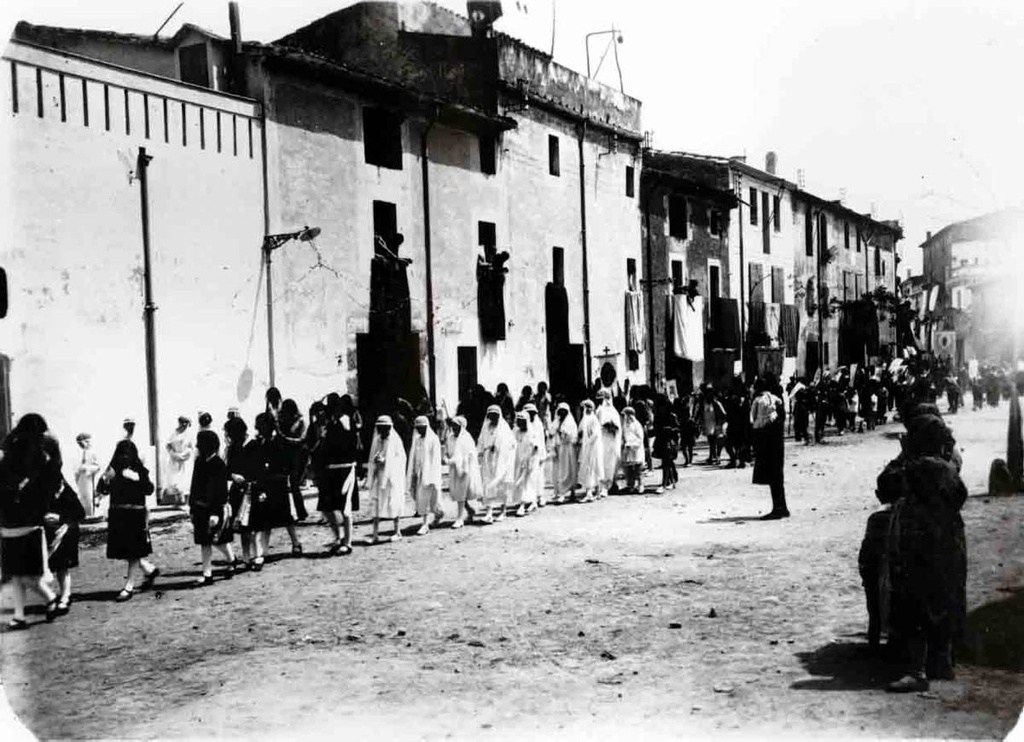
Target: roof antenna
173,13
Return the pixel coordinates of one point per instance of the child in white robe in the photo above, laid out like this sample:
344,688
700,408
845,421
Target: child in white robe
536,428
591,462
524,487
424,474
497,449
611,442
464,482
385,477
632,450
563,454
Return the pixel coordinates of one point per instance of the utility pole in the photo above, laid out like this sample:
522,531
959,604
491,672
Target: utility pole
743,292
149,309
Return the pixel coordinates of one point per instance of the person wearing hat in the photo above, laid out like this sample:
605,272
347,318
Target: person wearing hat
611,442
497,450
385,478
563,454
464,481
524,483
591,462
128,424
179,467
423,474
632,450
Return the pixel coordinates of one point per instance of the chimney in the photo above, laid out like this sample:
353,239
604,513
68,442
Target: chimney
842,196
770,161
929,237
800,179
236,28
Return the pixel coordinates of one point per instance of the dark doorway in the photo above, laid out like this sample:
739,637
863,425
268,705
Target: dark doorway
467,369
5,396
811,362
194,65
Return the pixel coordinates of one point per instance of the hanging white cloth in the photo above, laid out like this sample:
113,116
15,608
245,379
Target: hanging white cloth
688,326
635,327
772,322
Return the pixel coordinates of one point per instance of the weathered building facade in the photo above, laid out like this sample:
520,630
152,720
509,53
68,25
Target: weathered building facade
73,339
687,208
476,204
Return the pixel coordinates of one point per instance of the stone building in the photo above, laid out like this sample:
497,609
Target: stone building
969,276
686,205
476,203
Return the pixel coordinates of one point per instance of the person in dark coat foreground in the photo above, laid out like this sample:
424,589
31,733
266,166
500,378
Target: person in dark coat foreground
927,551
64,513
128,518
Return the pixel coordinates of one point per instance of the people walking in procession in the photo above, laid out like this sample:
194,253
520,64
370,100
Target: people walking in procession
30,475
209,507
335,463
591,461
128,518
179,462
497,449
564,454
527,459
632,451
236,453
423,475
268,471
611,442
385,477
64,514
465,484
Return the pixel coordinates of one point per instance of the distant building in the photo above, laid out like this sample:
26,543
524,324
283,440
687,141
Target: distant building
970,274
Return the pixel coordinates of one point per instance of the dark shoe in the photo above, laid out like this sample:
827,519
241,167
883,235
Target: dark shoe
239,566
297,550
204,581
17,624
63,608
775,515
257,565
908,684
51,611
125,595
148,580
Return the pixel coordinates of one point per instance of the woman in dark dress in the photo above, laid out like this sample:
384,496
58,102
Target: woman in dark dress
236,432
128,518
336,461
29,478
208,505
64,513
768,419
267,473
293,435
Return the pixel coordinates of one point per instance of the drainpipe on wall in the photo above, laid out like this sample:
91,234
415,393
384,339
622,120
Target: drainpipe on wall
743,286
431,356
583,241
266,231
149,308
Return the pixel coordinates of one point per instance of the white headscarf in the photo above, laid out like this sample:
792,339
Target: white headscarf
425,452
393,452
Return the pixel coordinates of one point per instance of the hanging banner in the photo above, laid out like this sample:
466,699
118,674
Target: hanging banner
945,344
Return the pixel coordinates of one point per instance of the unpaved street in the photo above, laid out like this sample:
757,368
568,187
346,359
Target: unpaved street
575,621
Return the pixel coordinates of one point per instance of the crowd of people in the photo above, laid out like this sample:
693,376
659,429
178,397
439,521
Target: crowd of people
504,457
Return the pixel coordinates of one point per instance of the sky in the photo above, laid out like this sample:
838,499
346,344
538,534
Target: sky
910,110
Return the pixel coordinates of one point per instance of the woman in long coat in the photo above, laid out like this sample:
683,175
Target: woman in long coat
768,420
62,519
128,517
236,433
497,449
927,551
385,478
563,454
591,460
209,507
29,476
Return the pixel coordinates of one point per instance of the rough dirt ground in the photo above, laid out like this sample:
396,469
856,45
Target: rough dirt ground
558,624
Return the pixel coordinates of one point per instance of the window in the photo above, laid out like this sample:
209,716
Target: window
558,266
466,369
715,222
385,221
677,217
382,138
858,286
765,229
194,65
629,181
776,216
846,286
846,235
714,281
858,239
756,278
677,276
878,262
809,233
631,273
553,166
486,234
488,155
778,285
3,293
822,237
753,206
826,354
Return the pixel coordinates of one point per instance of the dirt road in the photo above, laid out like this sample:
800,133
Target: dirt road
651,616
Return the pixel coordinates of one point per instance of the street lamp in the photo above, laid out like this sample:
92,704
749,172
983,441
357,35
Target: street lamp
270,243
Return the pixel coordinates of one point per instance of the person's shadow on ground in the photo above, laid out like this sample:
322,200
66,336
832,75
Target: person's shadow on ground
844,666
731,519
